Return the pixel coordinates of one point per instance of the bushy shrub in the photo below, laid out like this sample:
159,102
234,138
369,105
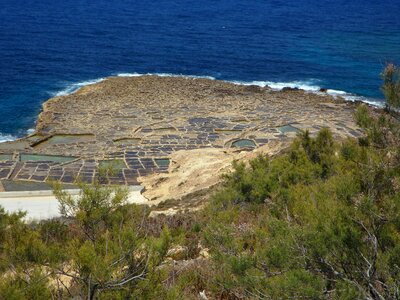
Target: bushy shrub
391,86
320,221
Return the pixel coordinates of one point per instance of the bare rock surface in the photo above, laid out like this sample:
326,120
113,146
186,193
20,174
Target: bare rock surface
196,170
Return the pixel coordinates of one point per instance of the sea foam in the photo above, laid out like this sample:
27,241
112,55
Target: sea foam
9,137
164,75
307,85
313,87
6,138
73,87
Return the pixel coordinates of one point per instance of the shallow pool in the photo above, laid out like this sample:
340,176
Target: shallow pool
14,145
288,128
244,143
6,157
52,158
162,162
66,139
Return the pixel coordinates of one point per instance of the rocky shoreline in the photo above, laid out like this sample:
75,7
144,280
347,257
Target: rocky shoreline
138,123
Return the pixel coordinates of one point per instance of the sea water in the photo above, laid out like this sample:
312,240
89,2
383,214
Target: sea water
50,48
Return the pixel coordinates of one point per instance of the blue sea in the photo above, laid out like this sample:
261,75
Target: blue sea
52,47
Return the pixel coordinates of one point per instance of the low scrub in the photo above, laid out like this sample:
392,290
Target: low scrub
321,221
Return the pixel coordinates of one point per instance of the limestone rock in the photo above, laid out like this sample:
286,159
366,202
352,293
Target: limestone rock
178,253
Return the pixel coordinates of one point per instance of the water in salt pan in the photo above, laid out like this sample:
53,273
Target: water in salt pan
52,158
288,128
5,157
162,162
66,139
244,144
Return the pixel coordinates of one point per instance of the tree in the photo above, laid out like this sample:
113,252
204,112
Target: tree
391,86
110,250
287,228
99,249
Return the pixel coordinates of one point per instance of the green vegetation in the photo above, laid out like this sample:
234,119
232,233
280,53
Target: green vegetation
320,221
391,86
99,246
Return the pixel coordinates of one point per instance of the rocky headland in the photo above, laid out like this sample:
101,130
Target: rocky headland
173,135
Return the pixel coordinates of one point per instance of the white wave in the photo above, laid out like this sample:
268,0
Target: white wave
163,75
353,97
9,137
311,86
308,85
371,101
6,137
72,88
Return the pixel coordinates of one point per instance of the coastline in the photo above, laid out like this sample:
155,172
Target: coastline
305,85
308,86
155,116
